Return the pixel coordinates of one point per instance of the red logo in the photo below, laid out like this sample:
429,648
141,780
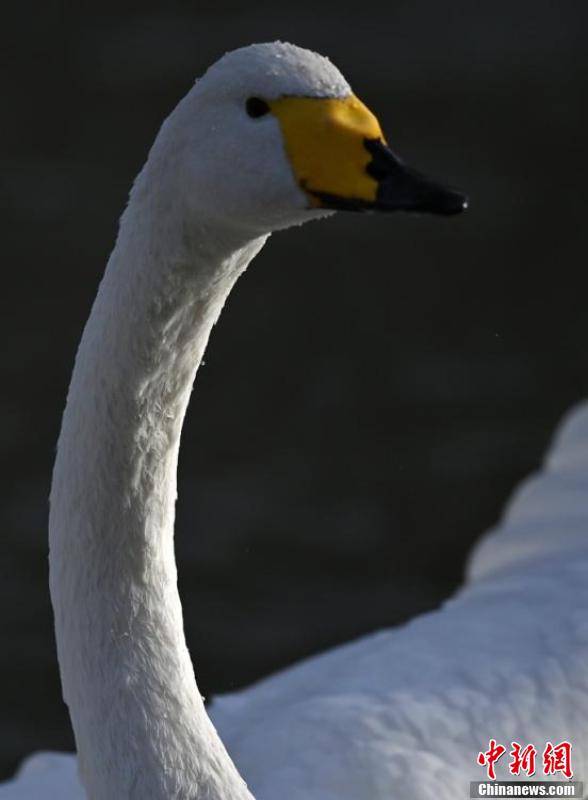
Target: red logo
556,759
522,759
493,754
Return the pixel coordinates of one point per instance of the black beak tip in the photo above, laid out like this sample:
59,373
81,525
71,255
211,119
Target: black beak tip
451,202
401,187
421,196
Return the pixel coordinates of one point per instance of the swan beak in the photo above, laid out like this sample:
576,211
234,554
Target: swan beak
340,159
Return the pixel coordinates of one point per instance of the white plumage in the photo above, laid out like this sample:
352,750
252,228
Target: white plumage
405,712
400,713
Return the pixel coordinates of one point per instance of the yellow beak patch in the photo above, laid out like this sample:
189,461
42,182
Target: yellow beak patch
324,140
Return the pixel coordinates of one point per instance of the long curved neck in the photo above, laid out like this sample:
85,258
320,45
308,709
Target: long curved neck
140,725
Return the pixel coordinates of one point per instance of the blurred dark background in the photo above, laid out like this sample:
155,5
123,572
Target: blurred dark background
377,385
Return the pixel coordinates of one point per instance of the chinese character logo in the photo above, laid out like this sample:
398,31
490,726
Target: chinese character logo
522,759
556,759
489,758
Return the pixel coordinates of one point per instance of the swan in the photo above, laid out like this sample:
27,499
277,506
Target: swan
272,136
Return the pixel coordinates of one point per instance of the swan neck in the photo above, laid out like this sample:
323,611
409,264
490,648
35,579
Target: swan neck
140,725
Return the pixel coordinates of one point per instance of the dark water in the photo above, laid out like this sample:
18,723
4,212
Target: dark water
377,385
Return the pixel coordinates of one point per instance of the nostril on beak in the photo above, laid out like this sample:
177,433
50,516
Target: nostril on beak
382,159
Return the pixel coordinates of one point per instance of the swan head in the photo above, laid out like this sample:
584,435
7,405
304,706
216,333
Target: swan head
272,136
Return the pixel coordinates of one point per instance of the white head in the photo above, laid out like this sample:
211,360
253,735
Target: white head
272,136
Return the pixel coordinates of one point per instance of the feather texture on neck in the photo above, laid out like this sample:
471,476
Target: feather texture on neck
140,725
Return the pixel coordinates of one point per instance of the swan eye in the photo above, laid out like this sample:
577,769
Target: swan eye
256,107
